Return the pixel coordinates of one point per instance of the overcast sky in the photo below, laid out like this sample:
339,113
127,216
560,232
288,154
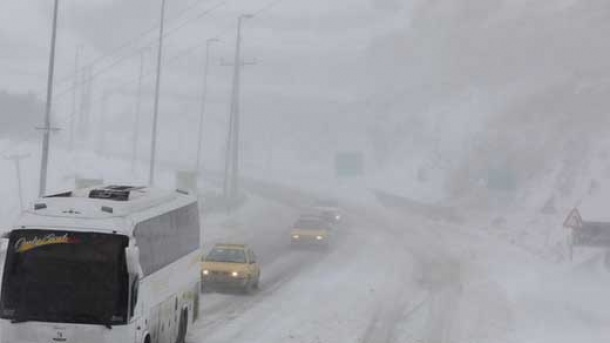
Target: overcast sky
324,30
310,59
406,73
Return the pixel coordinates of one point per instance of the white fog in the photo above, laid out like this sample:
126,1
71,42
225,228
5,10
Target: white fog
385,171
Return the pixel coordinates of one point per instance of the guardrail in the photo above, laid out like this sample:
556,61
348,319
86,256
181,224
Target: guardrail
433,211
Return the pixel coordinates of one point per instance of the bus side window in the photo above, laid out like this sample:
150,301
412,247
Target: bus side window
135,287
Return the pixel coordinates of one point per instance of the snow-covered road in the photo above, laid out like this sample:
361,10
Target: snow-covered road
398,277
393,276
351,293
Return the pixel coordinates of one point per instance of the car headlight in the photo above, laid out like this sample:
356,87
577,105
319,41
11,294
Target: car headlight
206,272
296,236
338,217
235,274
319,238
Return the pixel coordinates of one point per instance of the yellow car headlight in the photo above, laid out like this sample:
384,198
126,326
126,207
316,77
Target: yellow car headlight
206,272
235,274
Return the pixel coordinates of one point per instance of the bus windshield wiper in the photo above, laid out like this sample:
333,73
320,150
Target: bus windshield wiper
18,320
94,320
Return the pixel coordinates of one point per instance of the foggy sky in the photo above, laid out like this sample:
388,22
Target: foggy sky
407,79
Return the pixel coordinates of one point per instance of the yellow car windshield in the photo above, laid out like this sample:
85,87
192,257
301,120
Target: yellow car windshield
226,256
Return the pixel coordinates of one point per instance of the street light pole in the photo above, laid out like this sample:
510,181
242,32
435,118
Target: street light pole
44,162
203,101
153,145
17,160
75,87
231,184
136,129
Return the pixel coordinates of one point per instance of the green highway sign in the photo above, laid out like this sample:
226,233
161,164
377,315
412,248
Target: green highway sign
349,164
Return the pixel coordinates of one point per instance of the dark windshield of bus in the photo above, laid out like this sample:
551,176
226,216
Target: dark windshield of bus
65,277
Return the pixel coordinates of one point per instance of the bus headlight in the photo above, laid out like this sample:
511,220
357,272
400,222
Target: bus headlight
235,274
206,272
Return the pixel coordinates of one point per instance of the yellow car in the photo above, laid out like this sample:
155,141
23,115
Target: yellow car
230,266
311,231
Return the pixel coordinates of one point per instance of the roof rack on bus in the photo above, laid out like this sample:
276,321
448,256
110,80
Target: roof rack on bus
40,206
117,193
60,195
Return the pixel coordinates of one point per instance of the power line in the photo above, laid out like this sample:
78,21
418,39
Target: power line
267,7
131,42
111,54
142,36
226,30
175,57
189,50
198,16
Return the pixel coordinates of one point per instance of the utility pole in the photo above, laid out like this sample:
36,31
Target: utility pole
153,145
85,102
103,121
136,128
204,96
231,177
74,97
44,163
16,158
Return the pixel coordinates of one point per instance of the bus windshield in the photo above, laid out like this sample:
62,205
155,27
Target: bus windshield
65,277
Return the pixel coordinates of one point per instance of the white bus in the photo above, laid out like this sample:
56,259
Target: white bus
114,264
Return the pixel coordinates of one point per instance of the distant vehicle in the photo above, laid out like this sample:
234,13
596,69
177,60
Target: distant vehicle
329,209
109,264
330,214
230,266
327,203
311,231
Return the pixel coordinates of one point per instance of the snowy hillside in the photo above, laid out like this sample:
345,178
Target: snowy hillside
530,76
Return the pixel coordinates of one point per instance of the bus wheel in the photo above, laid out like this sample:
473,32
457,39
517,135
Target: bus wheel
183,327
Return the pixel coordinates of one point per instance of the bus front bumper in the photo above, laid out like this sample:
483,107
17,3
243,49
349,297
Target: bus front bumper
36,332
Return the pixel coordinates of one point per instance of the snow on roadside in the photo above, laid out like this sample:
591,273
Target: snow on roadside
517,283
512,294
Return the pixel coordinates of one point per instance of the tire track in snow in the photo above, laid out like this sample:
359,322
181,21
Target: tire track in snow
387,320
234,306
404,298
394,310
439,276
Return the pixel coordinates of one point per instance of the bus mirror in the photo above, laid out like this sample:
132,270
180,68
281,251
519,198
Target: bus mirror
132,256
4,242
